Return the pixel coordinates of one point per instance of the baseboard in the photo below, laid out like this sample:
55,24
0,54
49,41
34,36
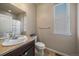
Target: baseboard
60,53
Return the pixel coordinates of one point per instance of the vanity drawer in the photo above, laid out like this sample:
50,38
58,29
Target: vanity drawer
21,50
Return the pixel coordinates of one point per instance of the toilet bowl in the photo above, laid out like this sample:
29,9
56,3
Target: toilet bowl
39,46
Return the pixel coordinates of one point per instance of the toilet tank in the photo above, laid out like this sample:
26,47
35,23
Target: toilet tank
34,36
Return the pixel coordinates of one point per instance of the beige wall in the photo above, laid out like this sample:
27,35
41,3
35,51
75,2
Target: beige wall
30,18
65,44
78,29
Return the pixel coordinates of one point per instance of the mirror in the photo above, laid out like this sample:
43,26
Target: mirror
11,19
10,23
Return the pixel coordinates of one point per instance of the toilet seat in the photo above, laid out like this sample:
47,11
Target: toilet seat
40,45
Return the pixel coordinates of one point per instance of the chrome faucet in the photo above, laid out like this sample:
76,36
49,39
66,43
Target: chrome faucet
12,35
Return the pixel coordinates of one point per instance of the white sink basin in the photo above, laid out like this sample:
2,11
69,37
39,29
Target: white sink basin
9,42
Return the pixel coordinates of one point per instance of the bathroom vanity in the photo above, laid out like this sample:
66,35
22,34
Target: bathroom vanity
23,49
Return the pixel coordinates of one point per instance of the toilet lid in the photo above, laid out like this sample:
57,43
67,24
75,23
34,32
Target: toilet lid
40,44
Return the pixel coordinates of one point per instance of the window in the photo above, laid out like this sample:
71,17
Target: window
62,19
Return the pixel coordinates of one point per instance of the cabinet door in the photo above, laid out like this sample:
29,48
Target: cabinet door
29,52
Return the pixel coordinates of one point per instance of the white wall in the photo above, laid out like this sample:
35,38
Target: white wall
64,44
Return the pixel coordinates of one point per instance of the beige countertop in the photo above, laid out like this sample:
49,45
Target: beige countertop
6,49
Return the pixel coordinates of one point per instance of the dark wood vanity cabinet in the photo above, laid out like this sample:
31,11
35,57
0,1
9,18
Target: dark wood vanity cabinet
27,49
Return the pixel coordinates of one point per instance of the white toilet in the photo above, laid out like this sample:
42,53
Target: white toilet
39,47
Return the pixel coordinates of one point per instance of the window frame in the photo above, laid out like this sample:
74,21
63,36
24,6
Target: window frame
68,15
